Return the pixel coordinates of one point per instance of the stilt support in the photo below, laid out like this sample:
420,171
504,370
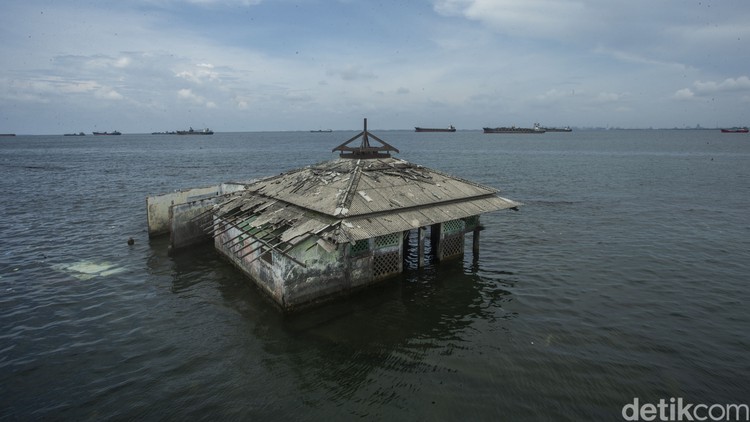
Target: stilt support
475,243
420,247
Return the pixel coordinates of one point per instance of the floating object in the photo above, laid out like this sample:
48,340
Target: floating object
85,270
131,241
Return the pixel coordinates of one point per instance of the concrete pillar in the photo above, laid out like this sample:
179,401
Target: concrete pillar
475,243
420,247
405,236
435,243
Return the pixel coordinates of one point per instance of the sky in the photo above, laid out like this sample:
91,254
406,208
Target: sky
140,66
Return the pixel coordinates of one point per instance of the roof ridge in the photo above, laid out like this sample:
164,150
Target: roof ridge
345,201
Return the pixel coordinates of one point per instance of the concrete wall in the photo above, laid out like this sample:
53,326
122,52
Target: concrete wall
327,273
185,230
324,276
287,282
252,265
157,206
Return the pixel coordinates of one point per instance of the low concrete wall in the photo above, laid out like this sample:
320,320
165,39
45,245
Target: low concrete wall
185,230
158,206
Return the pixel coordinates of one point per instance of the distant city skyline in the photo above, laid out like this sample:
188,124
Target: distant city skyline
260,65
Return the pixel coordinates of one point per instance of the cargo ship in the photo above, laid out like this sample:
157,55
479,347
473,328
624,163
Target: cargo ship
107,133
450,128
513,129
558,129
735,130
205,131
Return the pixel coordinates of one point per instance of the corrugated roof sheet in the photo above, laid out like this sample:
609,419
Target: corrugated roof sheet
359,187
345,200
364,227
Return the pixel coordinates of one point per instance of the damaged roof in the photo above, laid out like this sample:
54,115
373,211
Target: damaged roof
363,194
349,188
345,200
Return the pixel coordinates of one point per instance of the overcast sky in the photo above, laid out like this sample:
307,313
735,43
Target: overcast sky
256,65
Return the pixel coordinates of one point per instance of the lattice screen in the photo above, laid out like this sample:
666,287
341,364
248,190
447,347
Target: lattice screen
453,245
471,222
360,247
392,239
453,226
386,264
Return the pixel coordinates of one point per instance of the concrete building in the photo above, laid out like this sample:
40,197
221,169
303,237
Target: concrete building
315,233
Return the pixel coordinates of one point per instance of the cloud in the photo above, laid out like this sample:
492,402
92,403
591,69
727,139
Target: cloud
200,73
106,93
730,84
534,18
352,73
684,94
608,97
701,89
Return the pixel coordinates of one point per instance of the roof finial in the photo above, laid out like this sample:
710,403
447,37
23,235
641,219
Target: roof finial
365,150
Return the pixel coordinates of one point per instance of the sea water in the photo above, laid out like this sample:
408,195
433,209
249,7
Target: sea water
623,276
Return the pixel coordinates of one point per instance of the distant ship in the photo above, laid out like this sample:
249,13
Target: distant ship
7,134
558,129
205,131
450,128
107,133
322,130
513,129
735,130
75,134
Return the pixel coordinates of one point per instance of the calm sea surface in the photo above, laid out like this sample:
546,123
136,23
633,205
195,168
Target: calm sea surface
624,275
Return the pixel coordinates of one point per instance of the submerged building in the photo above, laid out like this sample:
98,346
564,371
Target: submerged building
318,232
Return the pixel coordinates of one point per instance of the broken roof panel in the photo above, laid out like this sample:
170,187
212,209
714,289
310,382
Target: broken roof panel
365,195
364,227
366,186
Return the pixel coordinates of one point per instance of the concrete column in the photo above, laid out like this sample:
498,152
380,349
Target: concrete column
405,236
420,246
436,244
475,243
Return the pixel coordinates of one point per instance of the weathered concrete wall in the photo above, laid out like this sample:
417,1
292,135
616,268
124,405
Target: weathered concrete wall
252,264
157,206
361,270
184,229
328,272
285,281
323,277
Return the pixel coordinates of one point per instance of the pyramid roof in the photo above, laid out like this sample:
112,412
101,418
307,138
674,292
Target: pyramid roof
364,194
345,200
